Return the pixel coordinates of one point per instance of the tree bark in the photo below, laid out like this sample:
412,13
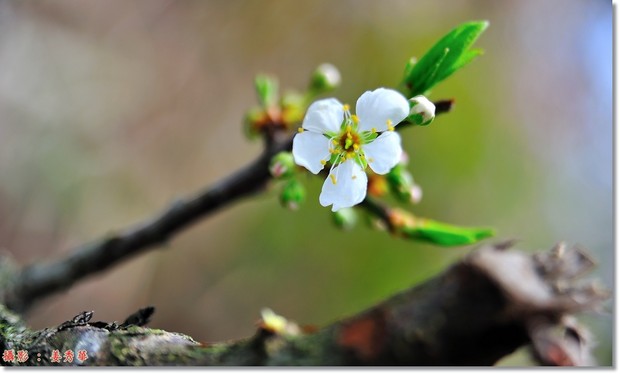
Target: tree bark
479,310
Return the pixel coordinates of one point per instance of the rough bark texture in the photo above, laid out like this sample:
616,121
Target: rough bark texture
476,312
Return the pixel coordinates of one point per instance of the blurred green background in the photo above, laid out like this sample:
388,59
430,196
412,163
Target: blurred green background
110,110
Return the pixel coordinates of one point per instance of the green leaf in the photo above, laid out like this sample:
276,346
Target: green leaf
267,90
445,234
448,55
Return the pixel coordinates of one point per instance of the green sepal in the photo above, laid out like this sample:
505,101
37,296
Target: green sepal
448,55
267,90
445,234
362,162
418,119
368,136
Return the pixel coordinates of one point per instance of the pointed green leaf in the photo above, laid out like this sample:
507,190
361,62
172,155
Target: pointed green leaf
449,54
467,57
445,234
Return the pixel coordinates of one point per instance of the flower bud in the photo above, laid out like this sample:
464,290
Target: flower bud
325,78
277,324
266,89
293,108
345,218
415,193
282,165
293,193
402,185
422,110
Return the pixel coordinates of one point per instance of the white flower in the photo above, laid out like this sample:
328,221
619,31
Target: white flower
331,134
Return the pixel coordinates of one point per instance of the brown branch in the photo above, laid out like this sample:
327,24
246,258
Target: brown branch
478,311
42,279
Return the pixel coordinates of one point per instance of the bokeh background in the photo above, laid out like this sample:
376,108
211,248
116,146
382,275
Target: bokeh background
109,110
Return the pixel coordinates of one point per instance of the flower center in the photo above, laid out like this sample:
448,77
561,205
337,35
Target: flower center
350,140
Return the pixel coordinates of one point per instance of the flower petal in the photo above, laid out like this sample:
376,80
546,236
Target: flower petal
309,148
324,116
384,152
375,108
349,189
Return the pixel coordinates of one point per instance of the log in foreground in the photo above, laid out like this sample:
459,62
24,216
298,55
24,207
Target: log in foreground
479,310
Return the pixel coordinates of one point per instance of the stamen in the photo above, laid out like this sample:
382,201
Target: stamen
349,129
333,178
355,119
334,142
389,125
323,162
359,159
354,176
337,173
300,130
356,147
346,107
335,163
373,130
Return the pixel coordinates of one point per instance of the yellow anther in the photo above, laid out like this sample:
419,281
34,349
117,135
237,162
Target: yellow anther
323,162
355,118
390,128
353,176
349,136
333,178
349,155
300,130
374,130
346,107
356,147
334,142
349,128
389,125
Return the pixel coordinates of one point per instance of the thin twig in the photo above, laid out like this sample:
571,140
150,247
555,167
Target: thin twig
42,279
